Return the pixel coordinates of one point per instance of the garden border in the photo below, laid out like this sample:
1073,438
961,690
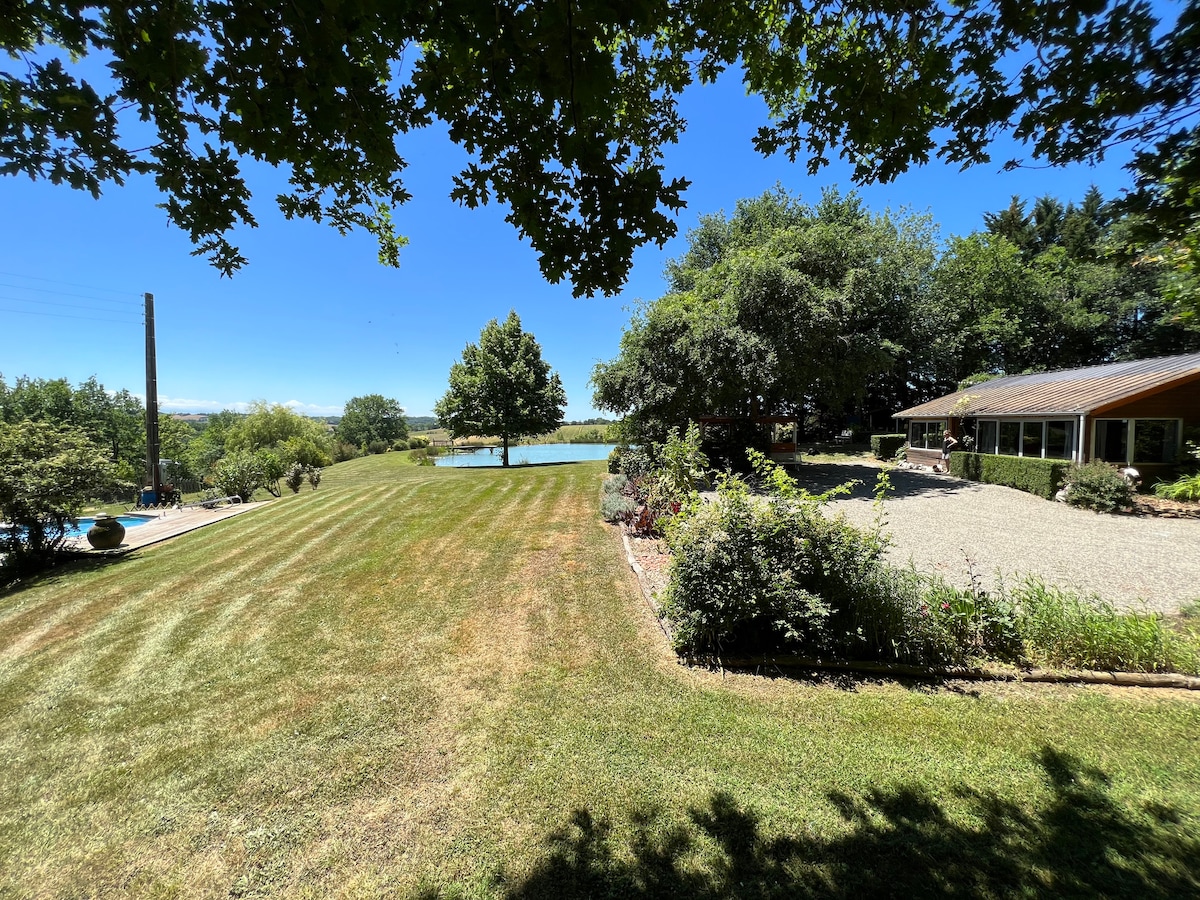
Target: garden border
898,670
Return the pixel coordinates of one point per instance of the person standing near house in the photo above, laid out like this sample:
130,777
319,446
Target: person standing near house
949,442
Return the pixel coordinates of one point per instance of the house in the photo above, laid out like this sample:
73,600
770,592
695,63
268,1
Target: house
1125,413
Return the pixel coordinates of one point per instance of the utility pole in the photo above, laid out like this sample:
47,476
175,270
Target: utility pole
152,443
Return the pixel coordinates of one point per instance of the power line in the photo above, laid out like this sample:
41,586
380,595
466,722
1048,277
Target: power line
86,287
66,305
22,287
27,312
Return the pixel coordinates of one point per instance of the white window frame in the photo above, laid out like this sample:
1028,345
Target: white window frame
941,429
1131,435
1022,422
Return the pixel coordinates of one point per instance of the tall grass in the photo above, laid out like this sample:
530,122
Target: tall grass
1063,628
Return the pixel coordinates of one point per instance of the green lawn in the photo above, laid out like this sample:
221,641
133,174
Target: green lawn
444,682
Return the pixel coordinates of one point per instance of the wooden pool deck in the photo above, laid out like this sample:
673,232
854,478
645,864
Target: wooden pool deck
166,524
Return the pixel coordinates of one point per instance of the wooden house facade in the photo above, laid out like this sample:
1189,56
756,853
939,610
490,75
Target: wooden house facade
1126,413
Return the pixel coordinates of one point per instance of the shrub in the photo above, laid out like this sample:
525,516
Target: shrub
239,474
614,461
1035,476
47,473
1098,486
752,573
314,477
682,465
399,444
731,584
295,477
273,469
755,573
377,447
423,456
343,452
615,484
416,442
615,507
633,462
305,451
884,446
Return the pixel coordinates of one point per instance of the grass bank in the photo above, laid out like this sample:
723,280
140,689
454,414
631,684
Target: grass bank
443,682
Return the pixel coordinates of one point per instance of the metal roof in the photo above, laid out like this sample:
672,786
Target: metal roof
1066,392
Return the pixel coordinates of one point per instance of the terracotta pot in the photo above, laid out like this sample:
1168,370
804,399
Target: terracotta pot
106,534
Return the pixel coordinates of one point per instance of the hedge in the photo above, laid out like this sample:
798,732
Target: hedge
884,446
1036,476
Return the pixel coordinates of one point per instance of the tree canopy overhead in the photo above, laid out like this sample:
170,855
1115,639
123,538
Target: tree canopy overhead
565,105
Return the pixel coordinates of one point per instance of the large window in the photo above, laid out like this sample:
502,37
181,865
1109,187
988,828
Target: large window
1155,440
1031,438
1010,438
1060,439
987,434
926,435
1051,439
1112,440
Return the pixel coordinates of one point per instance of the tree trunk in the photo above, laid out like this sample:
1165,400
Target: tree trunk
504,452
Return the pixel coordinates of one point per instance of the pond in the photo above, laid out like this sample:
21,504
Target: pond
527,454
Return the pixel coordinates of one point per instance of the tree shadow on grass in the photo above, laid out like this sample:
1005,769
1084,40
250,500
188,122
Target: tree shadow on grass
14,582
850,680
899,843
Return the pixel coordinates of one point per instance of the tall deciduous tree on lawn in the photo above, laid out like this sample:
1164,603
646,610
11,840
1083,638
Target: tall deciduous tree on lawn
372,418
502,387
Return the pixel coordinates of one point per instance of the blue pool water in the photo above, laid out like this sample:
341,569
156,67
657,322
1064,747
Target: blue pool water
528,454
87,522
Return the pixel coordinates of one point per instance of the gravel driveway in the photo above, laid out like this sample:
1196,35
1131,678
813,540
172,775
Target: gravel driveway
940,522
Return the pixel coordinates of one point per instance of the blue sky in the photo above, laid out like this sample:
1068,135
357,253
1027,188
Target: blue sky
314,320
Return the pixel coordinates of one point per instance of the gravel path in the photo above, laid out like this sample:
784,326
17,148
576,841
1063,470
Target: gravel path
940,522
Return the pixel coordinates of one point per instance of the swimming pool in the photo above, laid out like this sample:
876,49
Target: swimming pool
86,522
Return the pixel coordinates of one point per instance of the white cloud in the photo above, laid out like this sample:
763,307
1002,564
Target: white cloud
189,405
313,409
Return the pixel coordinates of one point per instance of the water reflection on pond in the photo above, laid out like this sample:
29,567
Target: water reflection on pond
526,454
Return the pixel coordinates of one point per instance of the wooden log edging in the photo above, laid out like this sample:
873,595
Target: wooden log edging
647,595
900,670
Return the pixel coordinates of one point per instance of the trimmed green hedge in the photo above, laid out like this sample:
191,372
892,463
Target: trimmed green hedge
884,446
1036,476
